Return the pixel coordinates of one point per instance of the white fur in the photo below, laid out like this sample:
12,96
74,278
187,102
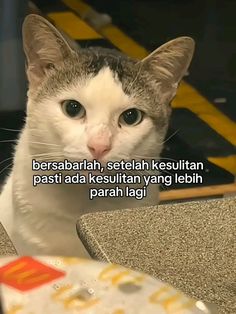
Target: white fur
44,217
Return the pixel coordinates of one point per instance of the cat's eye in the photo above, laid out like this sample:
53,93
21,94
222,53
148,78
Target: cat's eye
73,109
131,116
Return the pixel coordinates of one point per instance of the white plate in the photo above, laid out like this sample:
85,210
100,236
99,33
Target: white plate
48,285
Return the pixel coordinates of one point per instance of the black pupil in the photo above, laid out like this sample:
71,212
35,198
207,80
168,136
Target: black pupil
73,108
130,116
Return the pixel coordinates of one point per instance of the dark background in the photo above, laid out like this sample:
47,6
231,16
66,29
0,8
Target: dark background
151,23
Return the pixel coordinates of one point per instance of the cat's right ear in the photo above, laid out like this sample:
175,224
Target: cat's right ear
44,46
169,63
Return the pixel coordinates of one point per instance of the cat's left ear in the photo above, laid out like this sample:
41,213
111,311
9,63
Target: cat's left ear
45,48
170,62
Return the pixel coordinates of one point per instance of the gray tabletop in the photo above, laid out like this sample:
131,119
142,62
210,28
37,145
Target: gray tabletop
6,246
190,245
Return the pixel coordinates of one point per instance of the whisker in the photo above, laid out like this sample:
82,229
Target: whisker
145,157
5,168
42,143
171,159
49,158
171,136
9,141
39,143
35,129
154,158
47,154
11,130
3,161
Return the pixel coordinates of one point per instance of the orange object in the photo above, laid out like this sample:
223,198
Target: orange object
26,273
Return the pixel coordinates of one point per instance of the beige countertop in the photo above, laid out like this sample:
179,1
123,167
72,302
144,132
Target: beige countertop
189,245
6,246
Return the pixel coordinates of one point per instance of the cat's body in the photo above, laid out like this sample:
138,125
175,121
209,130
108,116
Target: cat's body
88,104
42,219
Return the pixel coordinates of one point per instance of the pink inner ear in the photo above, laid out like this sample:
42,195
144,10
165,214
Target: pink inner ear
35,74
99,145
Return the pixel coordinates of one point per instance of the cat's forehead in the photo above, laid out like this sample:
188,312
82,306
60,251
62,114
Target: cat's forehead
106,83
107,77
105,89
86,65
100,91
95,59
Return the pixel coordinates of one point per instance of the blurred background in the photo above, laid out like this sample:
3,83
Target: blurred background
203,123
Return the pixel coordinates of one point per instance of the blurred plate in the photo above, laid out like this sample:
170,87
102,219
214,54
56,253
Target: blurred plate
70,285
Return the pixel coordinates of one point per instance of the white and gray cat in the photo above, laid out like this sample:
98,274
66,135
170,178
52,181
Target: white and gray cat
93,103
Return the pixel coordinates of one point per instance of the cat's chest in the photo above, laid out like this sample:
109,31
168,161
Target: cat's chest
76,201
64,200
72,201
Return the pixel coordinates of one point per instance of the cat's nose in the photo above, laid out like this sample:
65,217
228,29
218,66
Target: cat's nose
98,150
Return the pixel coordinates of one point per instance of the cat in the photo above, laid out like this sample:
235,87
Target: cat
90,103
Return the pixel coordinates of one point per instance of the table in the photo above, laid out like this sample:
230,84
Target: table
6,246
190,245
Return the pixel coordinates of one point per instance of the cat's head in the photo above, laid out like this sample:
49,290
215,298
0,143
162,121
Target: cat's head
98,103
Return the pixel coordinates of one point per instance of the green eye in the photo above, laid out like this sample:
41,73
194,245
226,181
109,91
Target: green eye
131,117
73,109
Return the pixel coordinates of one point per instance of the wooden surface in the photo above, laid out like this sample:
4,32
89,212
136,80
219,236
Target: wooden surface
198,192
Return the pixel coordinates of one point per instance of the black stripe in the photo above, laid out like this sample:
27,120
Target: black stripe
216,90
95,43
50,6
200,135
177,149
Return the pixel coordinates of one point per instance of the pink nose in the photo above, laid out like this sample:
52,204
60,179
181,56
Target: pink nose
98,150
